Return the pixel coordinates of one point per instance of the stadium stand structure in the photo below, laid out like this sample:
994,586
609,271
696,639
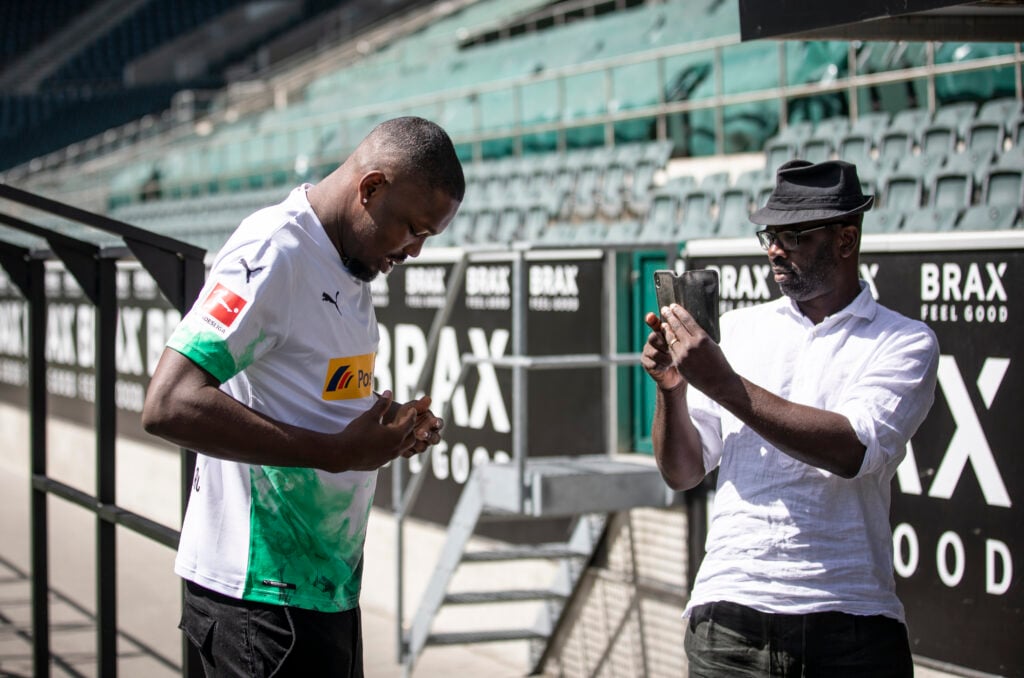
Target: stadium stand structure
581,124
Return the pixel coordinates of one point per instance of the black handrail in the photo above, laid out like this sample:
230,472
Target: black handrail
178,270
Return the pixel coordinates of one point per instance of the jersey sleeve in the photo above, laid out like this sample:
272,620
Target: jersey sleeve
241,312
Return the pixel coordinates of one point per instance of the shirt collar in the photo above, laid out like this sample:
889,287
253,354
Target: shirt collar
863,306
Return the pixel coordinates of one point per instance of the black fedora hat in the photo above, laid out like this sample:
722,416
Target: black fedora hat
806,193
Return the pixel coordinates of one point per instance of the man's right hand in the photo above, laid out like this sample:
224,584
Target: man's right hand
657,359
368,443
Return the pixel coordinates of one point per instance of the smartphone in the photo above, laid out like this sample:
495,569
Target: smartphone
696,291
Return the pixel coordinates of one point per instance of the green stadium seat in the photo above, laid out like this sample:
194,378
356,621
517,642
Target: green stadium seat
870,124
930,221
985,135
999,110
910,120
733,212
989,218
779,152
894,145
951,191
662,217
697,221
1003,186
817,150
939,138
622,233
882,220
856,148
956,114
903,191
976,162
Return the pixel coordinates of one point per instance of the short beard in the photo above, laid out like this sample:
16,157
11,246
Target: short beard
358,269
810,282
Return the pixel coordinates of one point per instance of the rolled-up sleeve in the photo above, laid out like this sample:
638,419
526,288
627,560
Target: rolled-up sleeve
888,402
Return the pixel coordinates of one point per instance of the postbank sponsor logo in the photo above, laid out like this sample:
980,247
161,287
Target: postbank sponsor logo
349,378
223,305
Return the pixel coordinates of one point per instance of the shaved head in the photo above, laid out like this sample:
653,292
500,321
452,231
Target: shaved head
415,149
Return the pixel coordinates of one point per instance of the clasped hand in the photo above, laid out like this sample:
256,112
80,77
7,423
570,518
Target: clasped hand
384,432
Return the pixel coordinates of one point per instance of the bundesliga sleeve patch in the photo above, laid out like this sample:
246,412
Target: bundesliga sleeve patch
223,305
349,378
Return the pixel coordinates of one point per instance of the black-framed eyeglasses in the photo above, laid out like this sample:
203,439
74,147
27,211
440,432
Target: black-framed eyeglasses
787,240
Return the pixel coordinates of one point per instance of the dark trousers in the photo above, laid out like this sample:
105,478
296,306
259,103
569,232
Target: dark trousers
728,640
240,638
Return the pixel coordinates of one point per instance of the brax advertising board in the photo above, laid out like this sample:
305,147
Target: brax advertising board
958,496
563,315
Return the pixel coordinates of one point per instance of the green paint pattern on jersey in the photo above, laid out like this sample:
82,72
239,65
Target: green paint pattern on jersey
210,351
293,561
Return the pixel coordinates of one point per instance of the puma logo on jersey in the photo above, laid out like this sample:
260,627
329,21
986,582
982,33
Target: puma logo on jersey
250,272
326,298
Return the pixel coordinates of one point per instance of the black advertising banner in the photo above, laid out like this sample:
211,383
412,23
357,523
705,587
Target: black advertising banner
563,315
145,320
957,498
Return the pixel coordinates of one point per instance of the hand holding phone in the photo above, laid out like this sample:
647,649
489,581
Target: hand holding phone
696,291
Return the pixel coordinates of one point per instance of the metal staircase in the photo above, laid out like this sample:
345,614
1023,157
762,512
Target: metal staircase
587,488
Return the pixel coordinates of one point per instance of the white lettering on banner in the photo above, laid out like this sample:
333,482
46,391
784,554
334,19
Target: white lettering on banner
85,333
951,559
409,348
458,462
969,442
977,288
128,351
410,351
950,282
905,567
995,549
60,337
554,288
907,474
380,292
488,287
867,274
382,377
950,540
748,281
14,328
424,280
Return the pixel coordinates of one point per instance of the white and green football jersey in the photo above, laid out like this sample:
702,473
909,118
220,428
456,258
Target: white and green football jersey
290,333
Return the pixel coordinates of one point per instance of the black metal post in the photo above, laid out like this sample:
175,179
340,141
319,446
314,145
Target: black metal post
106,477
36,295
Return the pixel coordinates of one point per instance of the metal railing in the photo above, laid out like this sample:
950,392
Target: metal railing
177,268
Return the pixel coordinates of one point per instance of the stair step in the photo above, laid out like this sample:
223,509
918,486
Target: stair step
518,595
467,637
540,551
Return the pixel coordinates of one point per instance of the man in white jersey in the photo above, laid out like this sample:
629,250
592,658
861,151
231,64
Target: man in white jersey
269,377
805,410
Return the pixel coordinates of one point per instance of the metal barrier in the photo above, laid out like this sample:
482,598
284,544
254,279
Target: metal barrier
177,268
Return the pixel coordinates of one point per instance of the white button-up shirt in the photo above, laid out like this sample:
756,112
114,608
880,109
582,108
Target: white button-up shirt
785,536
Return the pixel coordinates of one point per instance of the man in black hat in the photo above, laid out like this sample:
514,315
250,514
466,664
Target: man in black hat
805,410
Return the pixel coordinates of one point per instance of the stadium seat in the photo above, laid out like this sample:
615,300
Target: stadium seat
558,233
622,233
733,210
924,165
510,223
611,202
697,220
903,192
641,184
832,128
882,220
795,133
989,218
584,197
985,135
976,162
955,115
999,110
939,138
929,221
910,120
715,182
856,148
894,145
817,149
662,217
1003,186
750,179
870,124
777,153
951,191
